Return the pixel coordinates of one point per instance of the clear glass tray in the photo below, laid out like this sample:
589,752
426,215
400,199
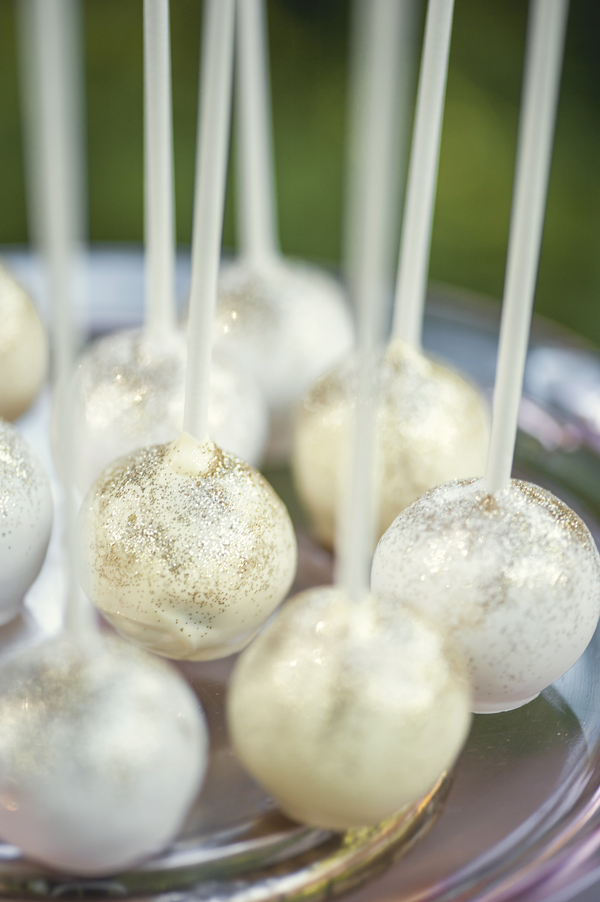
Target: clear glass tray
518,818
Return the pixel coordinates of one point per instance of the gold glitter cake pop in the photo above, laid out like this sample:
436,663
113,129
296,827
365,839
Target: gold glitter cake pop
185,549
432,426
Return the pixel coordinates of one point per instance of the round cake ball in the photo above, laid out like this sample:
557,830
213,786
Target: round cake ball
513,577
23,349
129,393
101,755
185,549
433,426
26,513
288,323
346,713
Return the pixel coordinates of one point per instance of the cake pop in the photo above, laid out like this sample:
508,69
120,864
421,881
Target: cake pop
101,755
289,322
433,423
185,548
26,513
129,392
347,711
129,387
509,569
514,576
23,349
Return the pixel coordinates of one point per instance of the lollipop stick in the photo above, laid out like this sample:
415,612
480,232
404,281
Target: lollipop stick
415,244
356,523
211,174
159,210
381,67
256,205
545,43
54,76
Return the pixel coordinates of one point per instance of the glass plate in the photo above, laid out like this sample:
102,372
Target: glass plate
518,818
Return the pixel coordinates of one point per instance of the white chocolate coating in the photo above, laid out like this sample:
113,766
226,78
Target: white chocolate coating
288,323
514,578
129,393
346,713
26,514
23,349
433,426
185,549
100,756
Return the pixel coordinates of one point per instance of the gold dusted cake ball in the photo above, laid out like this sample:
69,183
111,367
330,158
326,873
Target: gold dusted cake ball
23,349
347,712
185,549
513,577
129,392
102,754
433,426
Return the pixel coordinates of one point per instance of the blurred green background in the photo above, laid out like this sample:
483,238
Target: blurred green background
309,55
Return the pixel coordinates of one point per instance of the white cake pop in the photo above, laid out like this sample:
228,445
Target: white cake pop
288,324
101,755
347,712
185,549
23,349
129,392
513,577
26,513
432,426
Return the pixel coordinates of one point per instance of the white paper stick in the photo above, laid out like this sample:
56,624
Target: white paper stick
209,197
257,218
158,173
545,45
356,525
382,57
54,75
30,102
411,285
